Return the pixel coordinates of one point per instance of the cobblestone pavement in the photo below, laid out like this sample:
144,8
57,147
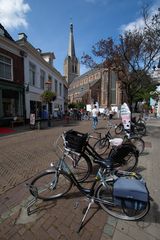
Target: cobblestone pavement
27,153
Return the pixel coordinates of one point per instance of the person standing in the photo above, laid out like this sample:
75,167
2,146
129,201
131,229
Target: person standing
94,117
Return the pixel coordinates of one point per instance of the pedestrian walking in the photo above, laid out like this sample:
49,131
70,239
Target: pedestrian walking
110,116
94,117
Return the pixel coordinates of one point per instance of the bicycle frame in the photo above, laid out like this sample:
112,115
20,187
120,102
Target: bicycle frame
91,152
62,165
101,176
88,192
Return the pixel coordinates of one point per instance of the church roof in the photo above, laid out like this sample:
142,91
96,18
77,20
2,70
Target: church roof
88,73
83,88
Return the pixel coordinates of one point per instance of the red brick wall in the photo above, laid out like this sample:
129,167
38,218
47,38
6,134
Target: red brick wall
18,66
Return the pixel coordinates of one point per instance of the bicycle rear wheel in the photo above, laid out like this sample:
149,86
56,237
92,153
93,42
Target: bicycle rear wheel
140,129
51,184
101,146
105,194
138,143
129,162
125,157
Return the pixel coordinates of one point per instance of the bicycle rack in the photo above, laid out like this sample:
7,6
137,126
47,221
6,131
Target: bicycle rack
33,201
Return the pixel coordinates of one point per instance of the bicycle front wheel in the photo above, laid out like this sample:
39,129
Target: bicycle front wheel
119,129
106,201
81,166
51,184
140,129
101,146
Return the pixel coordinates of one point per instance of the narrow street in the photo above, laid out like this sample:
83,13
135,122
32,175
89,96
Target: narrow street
25,154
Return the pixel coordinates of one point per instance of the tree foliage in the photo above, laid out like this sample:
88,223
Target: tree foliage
48,96
78,105
132,57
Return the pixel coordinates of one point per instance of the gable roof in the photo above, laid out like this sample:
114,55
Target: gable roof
6,34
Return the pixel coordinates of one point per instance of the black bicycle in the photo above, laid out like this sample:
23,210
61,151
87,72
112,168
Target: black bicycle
103,144
121,194
137,128
76,147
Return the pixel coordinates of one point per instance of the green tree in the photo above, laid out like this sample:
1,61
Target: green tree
132,57
48,96
77,105
72,105
81,105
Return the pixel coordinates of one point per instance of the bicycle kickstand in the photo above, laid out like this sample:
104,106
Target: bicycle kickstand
85,214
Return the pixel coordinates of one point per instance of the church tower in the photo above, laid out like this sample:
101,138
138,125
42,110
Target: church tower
71,63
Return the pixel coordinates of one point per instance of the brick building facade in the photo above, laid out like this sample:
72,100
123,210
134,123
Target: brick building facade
97,85
11,79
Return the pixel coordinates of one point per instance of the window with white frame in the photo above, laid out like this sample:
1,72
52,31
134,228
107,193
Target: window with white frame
32,74
6,67
60,89
42,78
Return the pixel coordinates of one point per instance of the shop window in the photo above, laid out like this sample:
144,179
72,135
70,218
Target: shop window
10,102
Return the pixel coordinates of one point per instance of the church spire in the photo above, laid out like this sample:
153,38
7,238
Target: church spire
71,48
71,63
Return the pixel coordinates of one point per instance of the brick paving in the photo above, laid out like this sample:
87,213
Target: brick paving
24,155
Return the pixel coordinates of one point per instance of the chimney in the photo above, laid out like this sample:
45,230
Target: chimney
39,50
22,36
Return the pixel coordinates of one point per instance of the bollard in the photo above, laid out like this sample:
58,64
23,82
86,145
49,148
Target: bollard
38,125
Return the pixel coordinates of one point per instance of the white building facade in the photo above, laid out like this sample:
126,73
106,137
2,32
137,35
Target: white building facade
40,75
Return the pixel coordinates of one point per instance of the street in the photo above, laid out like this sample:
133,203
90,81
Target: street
25,154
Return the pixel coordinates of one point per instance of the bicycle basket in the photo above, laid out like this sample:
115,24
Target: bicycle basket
75,140
130,193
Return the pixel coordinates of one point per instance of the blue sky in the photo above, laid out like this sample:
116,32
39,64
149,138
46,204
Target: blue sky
47,22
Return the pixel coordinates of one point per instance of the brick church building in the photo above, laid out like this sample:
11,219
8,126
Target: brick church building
97,85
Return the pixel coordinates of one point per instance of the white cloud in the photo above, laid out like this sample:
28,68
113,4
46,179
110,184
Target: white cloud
139,22
13,13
